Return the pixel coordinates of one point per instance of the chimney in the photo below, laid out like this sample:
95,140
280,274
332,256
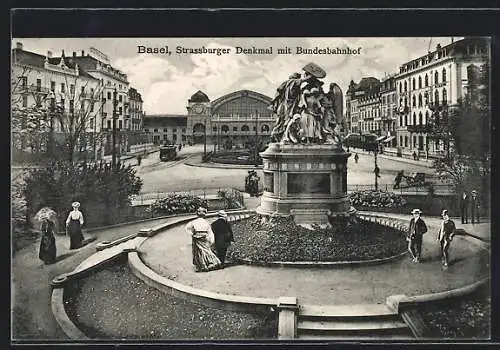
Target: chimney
49,54
19,46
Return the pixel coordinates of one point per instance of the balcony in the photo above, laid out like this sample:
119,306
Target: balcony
34,89
420,128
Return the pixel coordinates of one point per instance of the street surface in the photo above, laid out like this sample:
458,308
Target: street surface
168,176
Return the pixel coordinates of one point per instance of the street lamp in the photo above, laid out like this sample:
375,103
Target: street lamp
205,140
376,170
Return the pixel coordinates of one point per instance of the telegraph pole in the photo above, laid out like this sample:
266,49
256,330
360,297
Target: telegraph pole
115,103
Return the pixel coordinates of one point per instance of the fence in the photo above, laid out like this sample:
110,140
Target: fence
438,188
149,198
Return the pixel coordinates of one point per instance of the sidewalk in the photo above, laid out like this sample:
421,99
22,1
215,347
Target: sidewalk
422,162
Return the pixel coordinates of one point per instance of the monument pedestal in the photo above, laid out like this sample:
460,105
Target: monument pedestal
308,182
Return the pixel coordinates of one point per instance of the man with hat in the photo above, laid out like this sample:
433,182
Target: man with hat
416,230
223,235
445,236
474,206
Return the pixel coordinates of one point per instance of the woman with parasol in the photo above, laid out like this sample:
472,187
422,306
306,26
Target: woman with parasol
47,253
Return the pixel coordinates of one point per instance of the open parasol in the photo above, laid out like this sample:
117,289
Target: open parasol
46,212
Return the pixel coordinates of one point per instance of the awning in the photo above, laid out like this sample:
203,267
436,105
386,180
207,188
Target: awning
380,138
390,138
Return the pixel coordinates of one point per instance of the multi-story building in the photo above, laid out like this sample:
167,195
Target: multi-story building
432,81
50,82
388,108
237,118
135,116
363,106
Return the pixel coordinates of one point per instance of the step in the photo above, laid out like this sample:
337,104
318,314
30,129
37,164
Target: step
352,338
359,310
346,325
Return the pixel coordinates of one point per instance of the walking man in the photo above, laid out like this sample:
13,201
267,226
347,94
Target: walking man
474,207
416,230
223,235
464,207
445,236
356,158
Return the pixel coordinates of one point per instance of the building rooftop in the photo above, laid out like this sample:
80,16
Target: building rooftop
199,96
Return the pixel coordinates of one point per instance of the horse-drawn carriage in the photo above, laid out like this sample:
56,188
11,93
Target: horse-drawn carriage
412,180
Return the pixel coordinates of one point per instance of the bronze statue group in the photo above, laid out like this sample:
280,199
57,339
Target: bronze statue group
305,114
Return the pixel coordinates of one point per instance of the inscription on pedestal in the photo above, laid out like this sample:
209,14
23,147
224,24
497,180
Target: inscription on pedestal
309,183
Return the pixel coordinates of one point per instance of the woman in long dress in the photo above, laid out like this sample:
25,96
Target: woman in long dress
203,239
48,243
74,224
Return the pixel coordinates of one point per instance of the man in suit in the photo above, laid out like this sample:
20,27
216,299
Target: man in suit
464,207
474,212
416,230
223,235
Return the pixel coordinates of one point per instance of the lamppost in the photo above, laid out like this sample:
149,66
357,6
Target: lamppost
256,150
52,111
376,170
205,139
115,103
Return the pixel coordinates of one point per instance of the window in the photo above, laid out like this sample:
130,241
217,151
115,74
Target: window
82,90
406,119
165,130
426,81
414,101
25,101
24,81
92,91
400,120
71,106
413,86
420,102
419,82
436,98
109,124
414,119
174,130
400,140
420,119
155,130
165,137
400,88
436,78
72,89
414,141
38,84
426,117
406,141
214,129
406,87
254,128
426,98
91,122
120,110
444,75
445,97
53,86
183,130
63,103
120,124
120,98
146,130
92,106
235,128
63,88
109,95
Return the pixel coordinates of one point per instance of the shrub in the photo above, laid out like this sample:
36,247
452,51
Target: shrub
231,199
376,199
178,204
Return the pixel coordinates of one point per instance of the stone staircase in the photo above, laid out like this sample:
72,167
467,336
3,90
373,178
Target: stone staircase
351,323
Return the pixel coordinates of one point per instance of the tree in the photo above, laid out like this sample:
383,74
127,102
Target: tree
465,130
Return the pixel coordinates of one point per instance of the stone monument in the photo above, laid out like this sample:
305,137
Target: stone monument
305,165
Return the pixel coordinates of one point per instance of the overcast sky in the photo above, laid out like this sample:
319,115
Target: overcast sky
166,82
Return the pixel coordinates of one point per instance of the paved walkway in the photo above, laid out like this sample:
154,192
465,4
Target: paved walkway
32,316
169,254
421,162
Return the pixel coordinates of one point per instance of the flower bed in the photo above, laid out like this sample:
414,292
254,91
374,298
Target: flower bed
280,239
178,204
115,304
465,318
376,199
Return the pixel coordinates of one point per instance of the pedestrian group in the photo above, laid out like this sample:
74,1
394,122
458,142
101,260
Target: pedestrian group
469,207
209,241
